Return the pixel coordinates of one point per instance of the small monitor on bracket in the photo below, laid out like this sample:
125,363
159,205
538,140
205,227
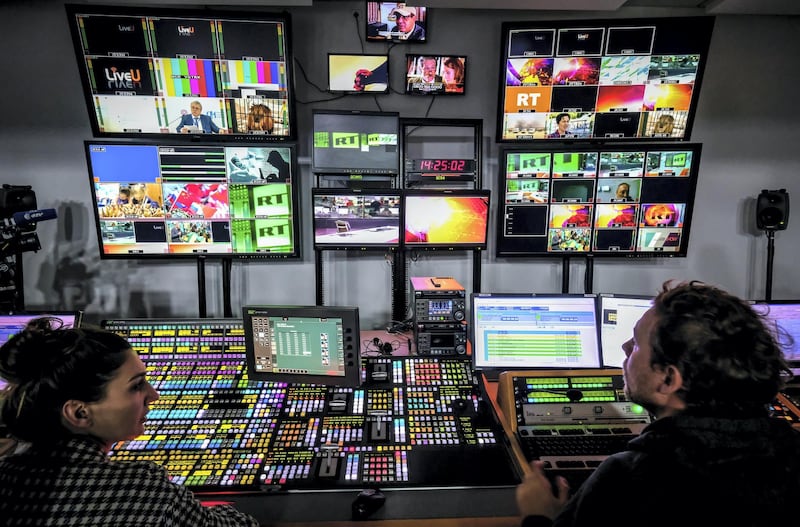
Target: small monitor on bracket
303,344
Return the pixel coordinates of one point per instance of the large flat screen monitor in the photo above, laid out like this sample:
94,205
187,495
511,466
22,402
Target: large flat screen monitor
611,201
445,219
355,143
601,80
353,219
523,331
303,344
179,200
185,73
618,314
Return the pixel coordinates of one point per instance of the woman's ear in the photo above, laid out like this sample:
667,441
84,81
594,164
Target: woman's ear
76,414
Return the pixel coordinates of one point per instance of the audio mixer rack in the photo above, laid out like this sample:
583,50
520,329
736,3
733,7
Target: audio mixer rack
413,422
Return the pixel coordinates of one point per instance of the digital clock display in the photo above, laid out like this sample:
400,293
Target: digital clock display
444,165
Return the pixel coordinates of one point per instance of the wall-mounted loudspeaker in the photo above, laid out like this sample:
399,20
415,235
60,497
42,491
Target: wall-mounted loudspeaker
772,210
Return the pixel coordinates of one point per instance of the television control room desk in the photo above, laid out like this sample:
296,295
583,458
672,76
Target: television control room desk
421,429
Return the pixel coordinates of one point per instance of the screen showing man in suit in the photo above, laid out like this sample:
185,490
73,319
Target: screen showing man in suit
196,121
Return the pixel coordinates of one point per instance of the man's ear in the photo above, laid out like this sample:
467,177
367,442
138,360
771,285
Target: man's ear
672,380
76,414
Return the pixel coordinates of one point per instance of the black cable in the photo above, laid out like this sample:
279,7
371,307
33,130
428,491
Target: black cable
358,30
433,98
305,77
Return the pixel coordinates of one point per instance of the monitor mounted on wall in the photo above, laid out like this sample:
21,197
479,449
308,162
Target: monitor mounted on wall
355,219
397,22
445,219
355,143
601,80
185,73
611,201
436,74
358,73
162,200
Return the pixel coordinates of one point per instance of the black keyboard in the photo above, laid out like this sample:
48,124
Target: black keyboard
584,445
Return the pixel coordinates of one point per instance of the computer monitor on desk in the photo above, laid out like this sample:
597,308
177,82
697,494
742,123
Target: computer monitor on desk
13,323
786,315
303,344
618,315
522,331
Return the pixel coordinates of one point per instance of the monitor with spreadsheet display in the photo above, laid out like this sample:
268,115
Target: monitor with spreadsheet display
519,331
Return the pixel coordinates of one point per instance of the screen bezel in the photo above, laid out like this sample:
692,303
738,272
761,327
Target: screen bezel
484,194
440,58
351,342
291,183
352,89
316,168
669,39
541,246
344,244
377,5
288,118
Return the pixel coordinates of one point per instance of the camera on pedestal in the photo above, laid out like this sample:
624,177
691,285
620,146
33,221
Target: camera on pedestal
18,219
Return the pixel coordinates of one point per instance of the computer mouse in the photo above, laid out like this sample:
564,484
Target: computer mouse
366,503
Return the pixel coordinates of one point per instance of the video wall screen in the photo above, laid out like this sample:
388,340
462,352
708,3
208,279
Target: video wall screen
355,142
185,73
168,201
632,201
608,80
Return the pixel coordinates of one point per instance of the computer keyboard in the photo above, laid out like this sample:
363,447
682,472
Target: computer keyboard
567,446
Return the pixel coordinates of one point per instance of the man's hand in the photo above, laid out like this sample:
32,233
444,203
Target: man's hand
535,493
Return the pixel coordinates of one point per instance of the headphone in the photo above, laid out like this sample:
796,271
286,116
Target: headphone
384,348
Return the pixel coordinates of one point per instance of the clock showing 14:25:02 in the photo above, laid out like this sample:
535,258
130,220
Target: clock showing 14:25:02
444,165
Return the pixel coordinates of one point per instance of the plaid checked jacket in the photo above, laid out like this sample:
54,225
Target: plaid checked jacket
73,483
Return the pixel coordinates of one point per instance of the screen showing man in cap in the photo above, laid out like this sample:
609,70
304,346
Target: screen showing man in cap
406,23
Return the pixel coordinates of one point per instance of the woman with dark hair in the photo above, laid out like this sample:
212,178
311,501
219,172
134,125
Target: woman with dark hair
453,75
707,366
72,394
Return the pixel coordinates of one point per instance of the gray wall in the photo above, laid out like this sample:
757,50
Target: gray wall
745,121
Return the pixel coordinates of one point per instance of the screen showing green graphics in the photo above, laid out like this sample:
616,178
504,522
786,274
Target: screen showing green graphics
355,142
158,200
308,344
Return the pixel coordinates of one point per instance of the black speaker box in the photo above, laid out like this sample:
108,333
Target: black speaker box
772,210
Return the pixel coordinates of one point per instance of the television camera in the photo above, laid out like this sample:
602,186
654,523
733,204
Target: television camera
19,218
